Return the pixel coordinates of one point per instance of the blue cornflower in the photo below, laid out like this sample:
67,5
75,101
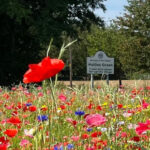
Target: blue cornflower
58,148
79,113
28,104
70,146
42,118
89,129
55,148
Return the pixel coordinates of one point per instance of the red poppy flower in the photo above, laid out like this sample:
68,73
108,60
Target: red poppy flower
3,143
5,95
99,107
14,113
62,106
84,136
96,134
100,144
90,106
3,146
3,140
43,70
120,106
14,120
136,138
11,132
32,108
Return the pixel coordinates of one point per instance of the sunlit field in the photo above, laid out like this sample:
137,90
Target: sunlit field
78,118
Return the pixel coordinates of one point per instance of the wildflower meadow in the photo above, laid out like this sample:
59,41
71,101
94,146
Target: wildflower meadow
74,74
53,116
74,118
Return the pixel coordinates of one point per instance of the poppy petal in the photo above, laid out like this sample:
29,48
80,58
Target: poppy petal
43,70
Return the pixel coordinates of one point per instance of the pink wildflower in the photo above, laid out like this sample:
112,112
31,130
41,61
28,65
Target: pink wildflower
127,114
73,122
123,134
40,94
39,88
132,126
95,120
143,127
148,87
75,138
144,105
62,97
24,142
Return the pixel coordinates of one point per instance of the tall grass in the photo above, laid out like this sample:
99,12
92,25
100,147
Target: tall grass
123,108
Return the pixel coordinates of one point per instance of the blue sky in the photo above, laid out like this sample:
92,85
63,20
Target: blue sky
114,8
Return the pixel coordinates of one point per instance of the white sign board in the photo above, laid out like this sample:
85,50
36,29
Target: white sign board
100,64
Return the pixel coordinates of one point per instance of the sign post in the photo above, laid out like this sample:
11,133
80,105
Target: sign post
100,64
92,81
107,79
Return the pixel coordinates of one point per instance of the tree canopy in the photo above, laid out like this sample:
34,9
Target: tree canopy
135,25
26,27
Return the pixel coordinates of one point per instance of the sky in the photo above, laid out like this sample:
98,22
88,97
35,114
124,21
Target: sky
114,8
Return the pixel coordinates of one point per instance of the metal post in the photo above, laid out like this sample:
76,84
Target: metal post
107,79
92,81
120,83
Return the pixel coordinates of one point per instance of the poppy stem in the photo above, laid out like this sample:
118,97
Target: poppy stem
49,47
52,93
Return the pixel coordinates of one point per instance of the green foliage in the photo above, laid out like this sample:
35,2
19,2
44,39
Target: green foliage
64,16
134,57
135,25
26,27
14,9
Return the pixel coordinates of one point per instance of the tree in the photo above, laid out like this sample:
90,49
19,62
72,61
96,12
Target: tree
17,42
26,27
135,25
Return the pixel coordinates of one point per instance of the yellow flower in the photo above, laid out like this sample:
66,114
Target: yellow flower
125,146
138,105
114,120
137,112
59,108
104,104
43,106
125,106
130,118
